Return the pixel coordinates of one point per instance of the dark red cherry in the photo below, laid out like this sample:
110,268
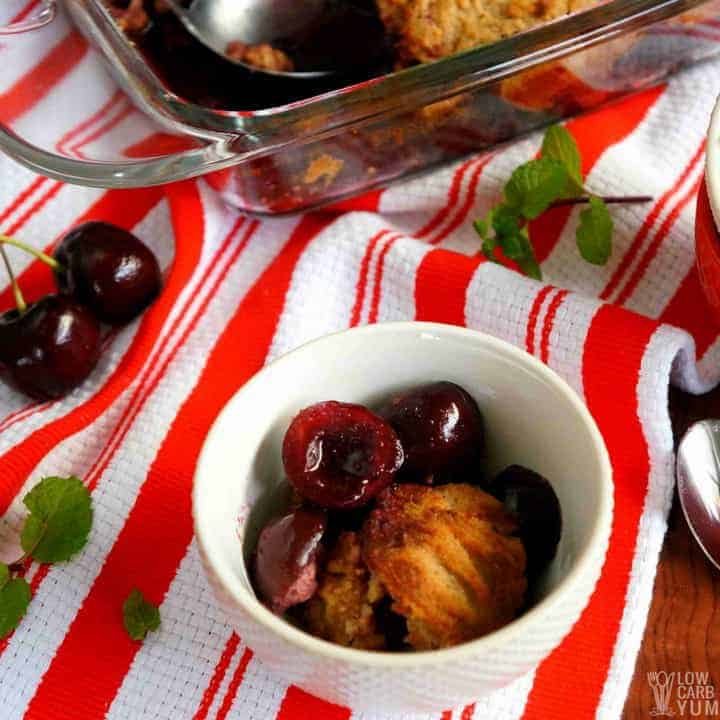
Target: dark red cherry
441,430
286,559
51,347
532,498
109,270
340,455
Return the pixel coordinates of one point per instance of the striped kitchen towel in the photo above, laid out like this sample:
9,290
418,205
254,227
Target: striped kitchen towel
241,291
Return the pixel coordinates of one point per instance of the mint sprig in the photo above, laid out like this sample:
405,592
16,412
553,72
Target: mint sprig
57,528
535,186
139,616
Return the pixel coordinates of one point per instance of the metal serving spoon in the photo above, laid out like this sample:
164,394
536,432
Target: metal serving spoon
220,23
698,478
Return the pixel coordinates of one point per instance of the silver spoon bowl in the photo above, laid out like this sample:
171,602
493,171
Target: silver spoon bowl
219,24
698,480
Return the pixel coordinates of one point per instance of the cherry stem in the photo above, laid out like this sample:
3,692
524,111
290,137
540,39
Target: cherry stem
39,254
608,200
19,299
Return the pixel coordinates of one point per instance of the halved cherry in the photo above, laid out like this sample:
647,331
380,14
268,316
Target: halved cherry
340,455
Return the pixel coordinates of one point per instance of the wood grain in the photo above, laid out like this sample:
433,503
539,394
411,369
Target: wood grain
683,628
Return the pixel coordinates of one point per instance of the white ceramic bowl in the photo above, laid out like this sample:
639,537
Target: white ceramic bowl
533,418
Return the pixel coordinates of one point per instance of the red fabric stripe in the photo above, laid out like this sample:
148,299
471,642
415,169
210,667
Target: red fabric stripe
20,460
468,712
533,318
217,678
299,705
125,208
363,278
447,715
689,310
161,517
37,83
649,223
24,12
441,286
594,134
104,128
610,377
22,413
86,124
234,685
656,242
469,200
552,310
452,198
37,205
375,302
22,197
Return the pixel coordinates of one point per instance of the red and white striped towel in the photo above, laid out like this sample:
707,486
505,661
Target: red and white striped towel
241,291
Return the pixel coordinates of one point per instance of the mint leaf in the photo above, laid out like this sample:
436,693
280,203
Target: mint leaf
14,600
535,185
559,144
60,519
594,233
481,228
139,616
505,220
488,248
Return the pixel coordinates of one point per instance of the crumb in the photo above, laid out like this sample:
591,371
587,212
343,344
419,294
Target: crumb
342,610
263,57
324,168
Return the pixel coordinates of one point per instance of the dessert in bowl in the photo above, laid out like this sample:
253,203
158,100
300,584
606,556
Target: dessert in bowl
532,418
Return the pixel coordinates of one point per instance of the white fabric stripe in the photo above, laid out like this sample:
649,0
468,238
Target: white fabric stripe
326,278
567,339
260,696
669,267
655,370
499,302
192,627
397,295
154,229
56,603
21,54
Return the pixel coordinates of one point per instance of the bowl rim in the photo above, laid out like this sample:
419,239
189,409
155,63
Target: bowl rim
588,563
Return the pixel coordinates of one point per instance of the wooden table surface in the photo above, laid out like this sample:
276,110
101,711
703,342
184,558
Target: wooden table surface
683,628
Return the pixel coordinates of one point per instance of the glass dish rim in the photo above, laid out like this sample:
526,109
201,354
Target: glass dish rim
426,82
230,138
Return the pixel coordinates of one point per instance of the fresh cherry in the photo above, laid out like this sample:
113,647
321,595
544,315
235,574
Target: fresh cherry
532,498
286,559
441,430
51,347
108,270
340,455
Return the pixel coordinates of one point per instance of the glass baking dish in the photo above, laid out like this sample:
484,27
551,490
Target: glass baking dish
341,143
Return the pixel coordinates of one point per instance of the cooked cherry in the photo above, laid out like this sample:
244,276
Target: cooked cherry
441,430
286,558
340,455
532,498
51,347
109,270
